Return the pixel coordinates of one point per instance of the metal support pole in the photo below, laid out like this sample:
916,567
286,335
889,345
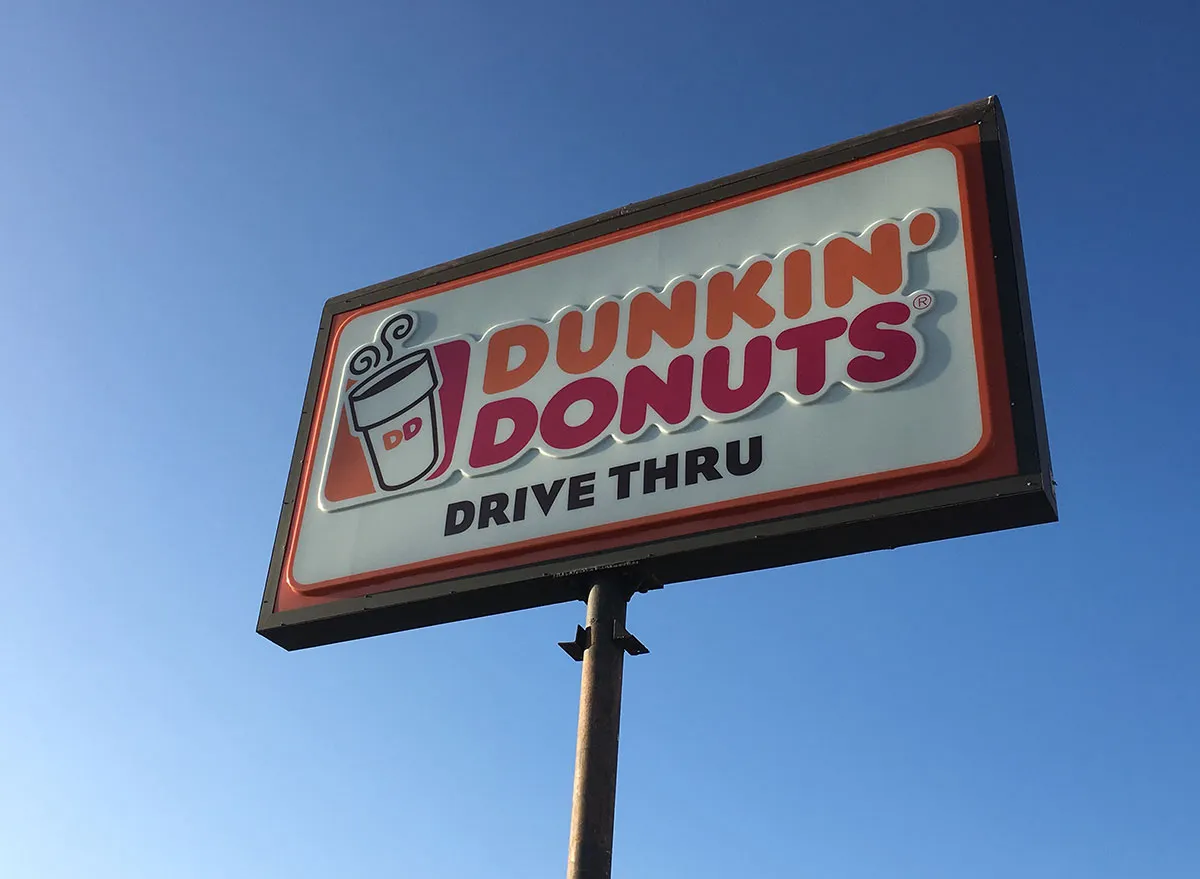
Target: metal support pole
601,647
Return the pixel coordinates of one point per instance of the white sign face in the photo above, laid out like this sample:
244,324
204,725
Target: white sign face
817,335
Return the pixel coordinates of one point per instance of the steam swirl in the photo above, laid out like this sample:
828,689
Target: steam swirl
396,330
365,359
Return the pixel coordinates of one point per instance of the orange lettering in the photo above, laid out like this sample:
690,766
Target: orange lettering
922,228
725,299
797,284
675,324
498,376
572,359
881,268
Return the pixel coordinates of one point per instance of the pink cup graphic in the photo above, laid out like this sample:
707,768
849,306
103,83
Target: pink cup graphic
395,412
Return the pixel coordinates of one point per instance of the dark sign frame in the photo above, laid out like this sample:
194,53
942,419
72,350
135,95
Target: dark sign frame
1024,498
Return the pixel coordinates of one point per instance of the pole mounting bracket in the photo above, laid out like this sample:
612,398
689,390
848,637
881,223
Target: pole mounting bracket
628,642
621,637
583,640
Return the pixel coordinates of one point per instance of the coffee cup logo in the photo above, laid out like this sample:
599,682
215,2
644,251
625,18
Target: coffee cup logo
394,408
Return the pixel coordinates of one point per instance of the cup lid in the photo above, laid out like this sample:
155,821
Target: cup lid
393,390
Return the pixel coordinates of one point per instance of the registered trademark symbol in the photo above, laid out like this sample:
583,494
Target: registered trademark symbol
922,301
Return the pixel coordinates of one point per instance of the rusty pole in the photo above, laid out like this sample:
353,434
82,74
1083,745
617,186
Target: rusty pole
601,647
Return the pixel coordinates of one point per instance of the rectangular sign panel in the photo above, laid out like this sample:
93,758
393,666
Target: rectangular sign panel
823,356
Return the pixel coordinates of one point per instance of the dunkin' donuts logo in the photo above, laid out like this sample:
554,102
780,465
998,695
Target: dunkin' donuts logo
713,346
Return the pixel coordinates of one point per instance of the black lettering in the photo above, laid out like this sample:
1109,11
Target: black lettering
519,499
580,490
545,497
491,509
459,517
733,457
701,462
652,473
623,472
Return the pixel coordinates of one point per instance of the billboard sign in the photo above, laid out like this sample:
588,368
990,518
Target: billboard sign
826,355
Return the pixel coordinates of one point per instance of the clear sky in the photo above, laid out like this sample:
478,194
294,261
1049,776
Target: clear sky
182,185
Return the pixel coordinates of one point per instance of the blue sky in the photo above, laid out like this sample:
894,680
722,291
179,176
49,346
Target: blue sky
181,188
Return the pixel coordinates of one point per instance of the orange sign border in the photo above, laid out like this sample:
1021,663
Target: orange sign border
995,457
